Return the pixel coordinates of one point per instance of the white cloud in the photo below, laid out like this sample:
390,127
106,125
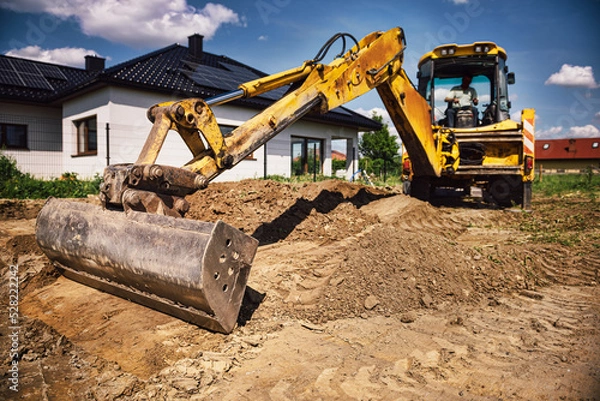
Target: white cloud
263,37
587,131
72,56
380,112
573,76
551,133
460,2
150,23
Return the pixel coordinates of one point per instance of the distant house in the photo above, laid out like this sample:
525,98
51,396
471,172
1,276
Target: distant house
56,119
337,155
567,155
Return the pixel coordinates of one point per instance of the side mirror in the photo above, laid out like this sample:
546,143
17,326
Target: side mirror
510,78
418,74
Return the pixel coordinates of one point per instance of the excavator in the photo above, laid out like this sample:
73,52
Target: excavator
139,246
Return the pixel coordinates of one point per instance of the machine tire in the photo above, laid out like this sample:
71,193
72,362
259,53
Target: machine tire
506,190
420,188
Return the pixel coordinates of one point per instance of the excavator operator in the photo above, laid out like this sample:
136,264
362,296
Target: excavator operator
460,98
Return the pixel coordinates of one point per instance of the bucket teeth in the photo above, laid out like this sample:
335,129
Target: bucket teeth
194,270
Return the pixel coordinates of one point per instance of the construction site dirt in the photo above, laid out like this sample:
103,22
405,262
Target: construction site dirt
356,293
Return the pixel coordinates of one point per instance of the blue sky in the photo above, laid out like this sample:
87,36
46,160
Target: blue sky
553,46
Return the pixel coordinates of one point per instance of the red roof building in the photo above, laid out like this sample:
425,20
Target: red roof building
567,154
337,155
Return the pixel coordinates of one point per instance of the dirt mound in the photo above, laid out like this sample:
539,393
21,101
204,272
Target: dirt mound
387,271
412,256
13,209
271,211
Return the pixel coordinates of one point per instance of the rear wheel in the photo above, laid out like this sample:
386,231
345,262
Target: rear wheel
506,190
421,188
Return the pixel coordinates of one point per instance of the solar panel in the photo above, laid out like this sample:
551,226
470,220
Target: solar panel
51,71
212,77
25,66
10,78
5,64
36,81
26,74
241,72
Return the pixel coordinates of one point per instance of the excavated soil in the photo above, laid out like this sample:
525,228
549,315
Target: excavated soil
355,293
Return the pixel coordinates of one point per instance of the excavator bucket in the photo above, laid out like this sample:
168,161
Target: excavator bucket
193,270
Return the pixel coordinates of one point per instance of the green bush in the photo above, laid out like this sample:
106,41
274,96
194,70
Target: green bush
8,169
15,184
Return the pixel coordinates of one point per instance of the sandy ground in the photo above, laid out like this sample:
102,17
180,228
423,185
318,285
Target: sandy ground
355,294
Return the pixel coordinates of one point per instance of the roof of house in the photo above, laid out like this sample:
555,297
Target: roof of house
37,82
175,70
337,155
565,149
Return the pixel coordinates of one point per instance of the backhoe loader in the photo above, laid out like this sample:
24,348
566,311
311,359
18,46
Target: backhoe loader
139,247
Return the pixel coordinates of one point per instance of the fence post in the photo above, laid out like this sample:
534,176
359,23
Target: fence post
265,161
107,144
315,162
353,164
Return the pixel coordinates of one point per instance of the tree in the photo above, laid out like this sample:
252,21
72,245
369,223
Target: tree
379,145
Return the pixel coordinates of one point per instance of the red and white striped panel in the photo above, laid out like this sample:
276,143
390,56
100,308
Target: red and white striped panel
528,137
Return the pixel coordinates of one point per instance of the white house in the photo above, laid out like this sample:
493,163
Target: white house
56,119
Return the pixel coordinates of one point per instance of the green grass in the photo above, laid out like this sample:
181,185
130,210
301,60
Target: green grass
300,179
15,184
562,184
568,209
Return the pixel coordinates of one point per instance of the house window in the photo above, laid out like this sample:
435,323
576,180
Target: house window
307,156
87,136
13,136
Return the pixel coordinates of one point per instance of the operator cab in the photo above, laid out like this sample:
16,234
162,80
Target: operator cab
443,69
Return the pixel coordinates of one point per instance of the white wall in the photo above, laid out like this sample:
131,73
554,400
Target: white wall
43,158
